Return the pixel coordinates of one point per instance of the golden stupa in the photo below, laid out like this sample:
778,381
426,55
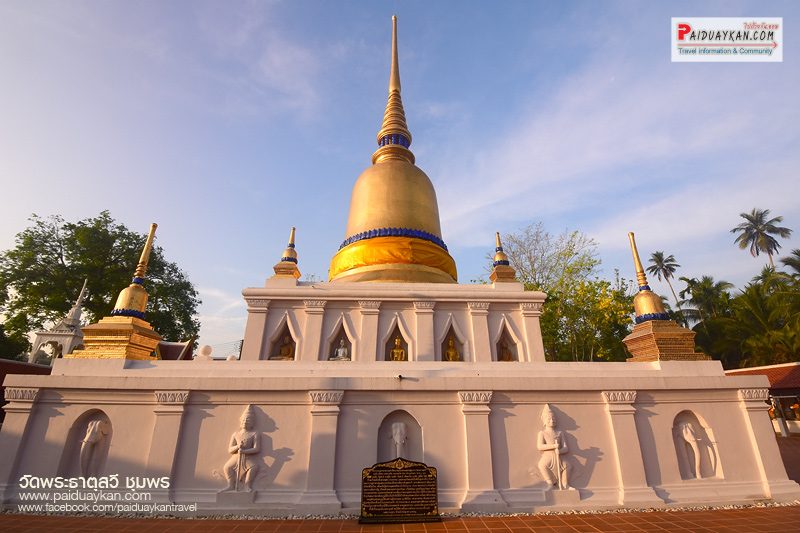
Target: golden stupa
655,337
393,231
125,334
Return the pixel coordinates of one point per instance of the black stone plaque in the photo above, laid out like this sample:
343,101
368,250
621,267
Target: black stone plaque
399,491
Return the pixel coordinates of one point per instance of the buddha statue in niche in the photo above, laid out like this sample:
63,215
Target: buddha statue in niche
398,353
451,354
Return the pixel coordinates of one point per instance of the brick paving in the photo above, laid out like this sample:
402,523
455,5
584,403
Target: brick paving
750,520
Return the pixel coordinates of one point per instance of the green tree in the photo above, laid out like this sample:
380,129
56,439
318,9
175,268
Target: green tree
757,233
11,348
41,276
664,267
793,261
707,298
584,318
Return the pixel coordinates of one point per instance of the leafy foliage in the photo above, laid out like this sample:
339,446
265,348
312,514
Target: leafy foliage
757,233
584,318
42,275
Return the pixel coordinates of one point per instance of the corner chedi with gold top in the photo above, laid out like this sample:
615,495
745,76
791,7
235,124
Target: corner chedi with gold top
125,334
331,371
656,337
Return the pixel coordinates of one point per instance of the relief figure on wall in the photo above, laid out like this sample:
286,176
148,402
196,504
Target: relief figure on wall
695,446
242,468
286,349
91,447
689,436
399,435
555,470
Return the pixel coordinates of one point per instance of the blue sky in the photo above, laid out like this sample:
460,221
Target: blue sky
229,122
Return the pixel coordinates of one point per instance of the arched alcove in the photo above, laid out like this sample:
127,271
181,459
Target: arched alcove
86,448
695,447
460,341
412,447
452,347
394,350
339,343
283,346
506,348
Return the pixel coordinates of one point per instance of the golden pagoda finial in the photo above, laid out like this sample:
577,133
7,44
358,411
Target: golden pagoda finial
141,268
501,266
394,138
394,77
647,304
287,267
132,301
641,279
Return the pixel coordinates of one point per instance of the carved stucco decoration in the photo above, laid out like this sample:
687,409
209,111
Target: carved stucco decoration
369,304
315,304
753,394
330,397
619,396
424,305
176,397
25,394
532,307
481,397
257,303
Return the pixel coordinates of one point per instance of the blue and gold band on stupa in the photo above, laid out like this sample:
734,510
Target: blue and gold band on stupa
132,301
647,304
395,232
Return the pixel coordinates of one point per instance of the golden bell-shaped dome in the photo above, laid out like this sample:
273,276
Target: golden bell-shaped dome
132,300
393,230
647,305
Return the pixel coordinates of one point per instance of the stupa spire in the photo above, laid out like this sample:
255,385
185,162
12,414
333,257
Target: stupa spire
287,266
75,312
647,304
501,267
394,138
132,301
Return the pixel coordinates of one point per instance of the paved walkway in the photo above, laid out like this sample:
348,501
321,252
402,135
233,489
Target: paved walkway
751,520
768,519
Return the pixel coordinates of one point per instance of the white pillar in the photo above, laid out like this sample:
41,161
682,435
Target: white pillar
368,340
766,455
479,315
165,441
255,330
481,495
426,349
15,428
531,311
312,333
627,451
320,496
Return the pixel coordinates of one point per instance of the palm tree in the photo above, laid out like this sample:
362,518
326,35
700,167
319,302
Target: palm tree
664,267
709,298
793,261
757,233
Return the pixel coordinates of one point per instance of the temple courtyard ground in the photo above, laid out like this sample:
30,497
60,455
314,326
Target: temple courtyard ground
783,519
